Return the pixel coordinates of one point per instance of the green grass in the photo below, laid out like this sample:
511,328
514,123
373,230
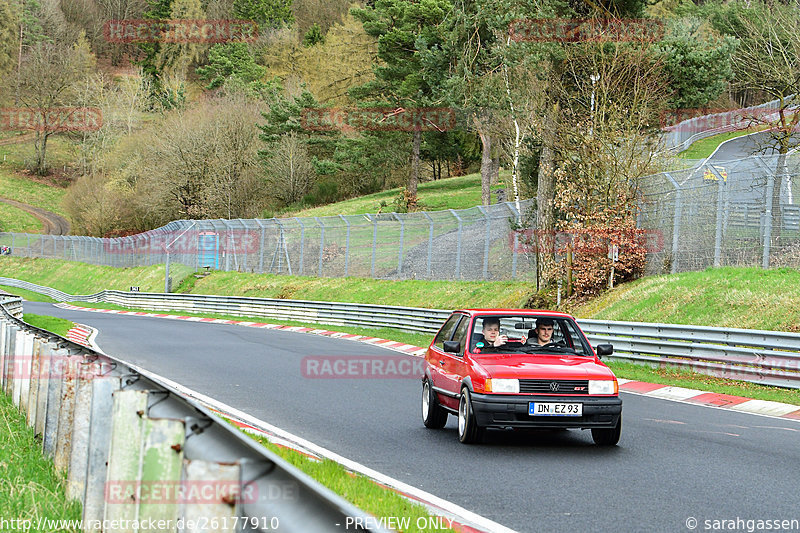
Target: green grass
29,486
705,147
59,326
749,298
411,293
450,193
13,219
27,295
355,488
81,278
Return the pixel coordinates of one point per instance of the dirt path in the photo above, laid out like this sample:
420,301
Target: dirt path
53,224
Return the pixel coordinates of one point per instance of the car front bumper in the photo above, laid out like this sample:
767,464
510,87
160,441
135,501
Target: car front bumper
504,410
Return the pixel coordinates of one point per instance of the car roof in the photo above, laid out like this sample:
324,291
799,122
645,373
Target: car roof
520,312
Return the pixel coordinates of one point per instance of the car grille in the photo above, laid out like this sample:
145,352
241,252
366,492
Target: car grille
545,386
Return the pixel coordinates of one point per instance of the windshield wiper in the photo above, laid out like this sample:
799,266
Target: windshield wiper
535,348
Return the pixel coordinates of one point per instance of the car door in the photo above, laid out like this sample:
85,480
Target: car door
454,367
435,356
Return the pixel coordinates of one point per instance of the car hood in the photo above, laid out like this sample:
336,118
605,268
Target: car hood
537,366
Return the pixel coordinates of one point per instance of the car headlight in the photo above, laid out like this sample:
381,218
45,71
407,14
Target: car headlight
502,385
604,386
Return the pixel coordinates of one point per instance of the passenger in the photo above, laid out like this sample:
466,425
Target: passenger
491,338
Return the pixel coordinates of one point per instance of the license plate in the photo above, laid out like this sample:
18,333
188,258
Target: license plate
555,409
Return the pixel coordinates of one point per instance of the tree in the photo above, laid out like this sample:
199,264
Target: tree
267,13
403,29
9,39
290,173
231,60
698,61
47,81
177,57
768,63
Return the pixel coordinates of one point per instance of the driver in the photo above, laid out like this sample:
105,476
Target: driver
543,331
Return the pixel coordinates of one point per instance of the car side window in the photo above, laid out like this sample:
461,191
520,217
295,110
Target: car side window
461,333
447,330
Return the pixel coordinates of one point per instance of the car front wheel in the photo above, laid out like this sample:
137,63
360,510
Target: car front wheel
608,436
468,430
433,415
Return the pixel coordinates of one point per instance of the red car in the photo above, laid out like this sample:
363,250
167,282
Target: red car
512,368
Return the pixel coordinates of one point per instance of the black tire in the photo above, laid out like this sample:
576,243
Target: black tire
434,416
468,430
608,436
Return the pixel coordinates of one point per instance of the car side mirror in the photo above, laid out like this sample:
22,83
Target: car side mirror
452,346
604,349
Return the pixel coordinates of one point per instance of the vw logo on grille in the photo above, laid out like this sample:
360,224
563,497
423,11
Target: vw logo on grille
554,386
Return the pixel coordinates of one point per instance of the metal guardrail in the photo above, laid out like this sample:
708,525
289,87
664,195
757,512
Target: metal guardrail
765,357
135,449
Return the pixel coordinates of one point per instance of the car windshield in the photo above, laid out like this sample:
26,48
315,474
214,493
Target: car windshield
554,335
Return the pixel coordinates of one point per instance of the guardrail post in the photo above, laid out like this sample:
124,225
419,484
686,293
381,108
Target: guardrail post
33,383
69,383
458,244
400,248
99,443
127,435
346,246
430,245
302,243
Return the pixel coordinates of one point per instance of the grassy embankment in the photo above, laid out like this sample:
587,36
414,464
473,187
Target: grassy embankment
15,184
460,192
30,488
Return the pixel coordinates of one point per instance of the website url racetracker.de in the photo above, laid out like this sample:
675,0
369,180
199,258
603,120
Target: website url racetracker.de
17,525
750,525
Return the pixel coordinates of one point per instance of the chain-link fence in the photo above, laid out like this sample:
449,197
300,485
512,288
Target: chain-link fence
742,213
467,244
739,213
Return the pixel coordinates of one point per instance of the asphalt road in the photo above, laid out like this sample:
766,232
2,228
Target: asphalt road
674,461
744,146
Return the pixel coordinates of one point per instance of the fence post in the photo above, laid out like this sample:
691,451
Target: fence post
487,221
676,222
374,243
430,243
302,243
516,242
321,243
458,244
261,247
346,246
720,215
768,221
400,248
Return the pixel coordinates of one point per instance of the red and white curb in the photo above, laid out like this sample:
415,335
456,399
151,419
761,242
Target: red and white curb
711,399
375,341
80,334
